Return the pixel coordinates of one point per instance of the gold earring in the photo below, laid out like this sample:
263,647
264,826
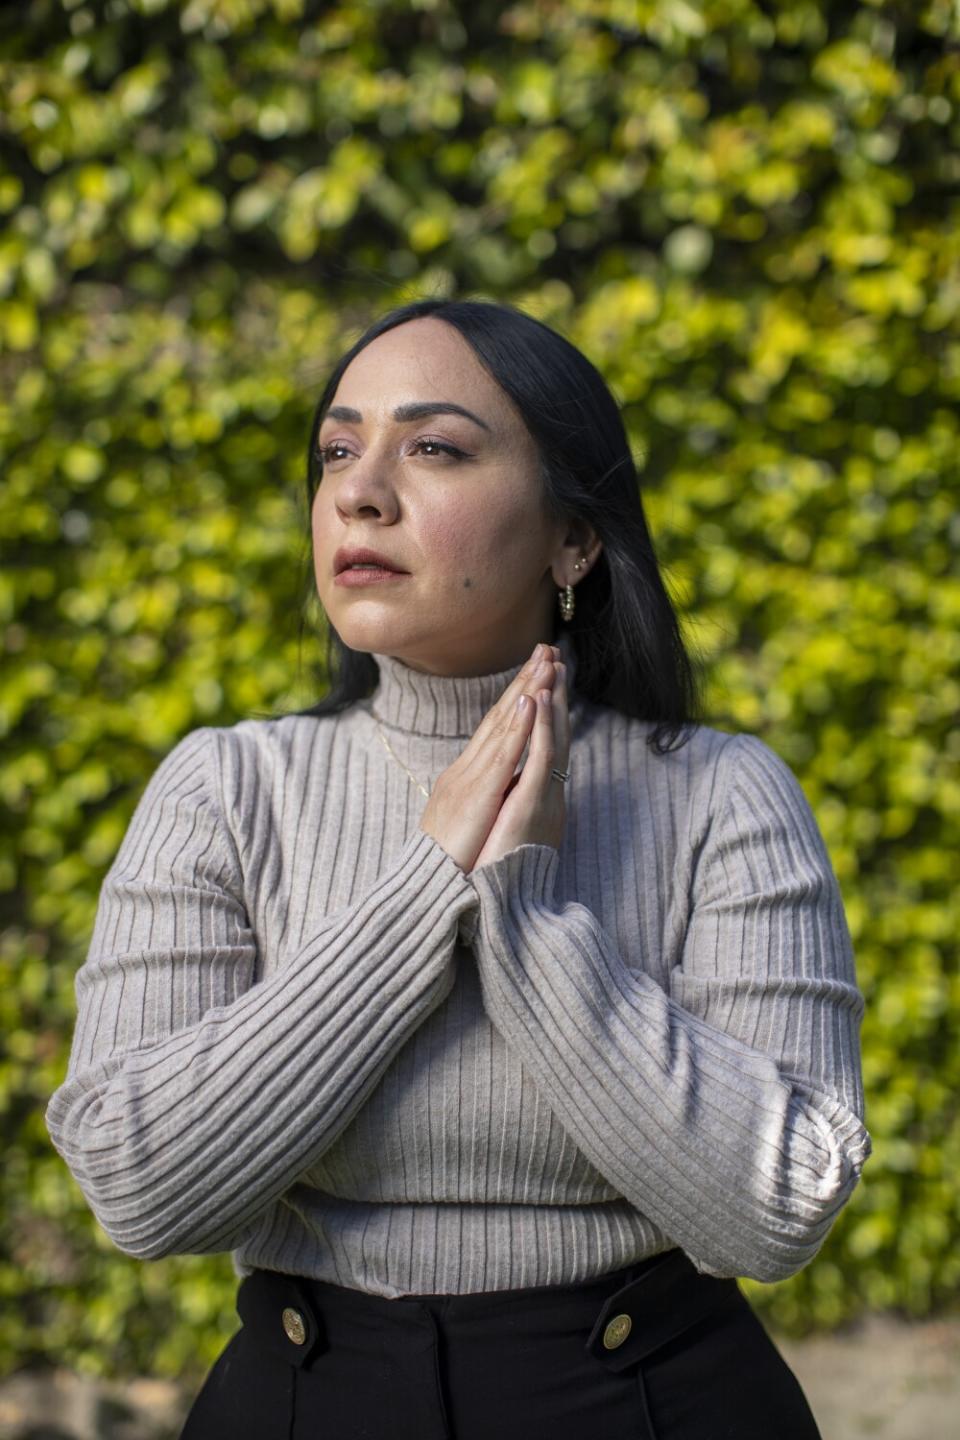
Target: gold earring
566,596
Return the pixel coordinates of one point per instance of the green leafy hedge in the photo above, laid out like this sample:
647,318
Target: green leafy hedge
746,215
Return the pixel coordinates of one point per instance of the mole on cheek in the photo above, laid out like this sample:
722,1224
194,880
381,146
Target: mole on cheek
467,583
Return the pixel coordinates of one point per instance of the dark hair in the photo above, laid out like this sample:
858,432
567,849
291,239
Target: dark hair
626,637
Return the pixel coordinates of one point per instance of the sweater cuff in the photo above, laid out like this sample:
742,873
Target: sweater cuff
451,882
523,879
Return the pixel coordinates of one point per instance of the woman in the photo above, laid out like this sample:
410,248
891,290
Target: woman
492,1079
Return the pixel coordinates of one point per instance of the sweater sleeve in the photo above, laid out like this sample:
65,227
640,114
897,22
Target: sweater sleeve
194,1094
728,1108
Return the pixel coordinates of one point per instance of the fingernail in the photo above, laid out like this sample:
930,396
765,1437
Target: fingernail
561,670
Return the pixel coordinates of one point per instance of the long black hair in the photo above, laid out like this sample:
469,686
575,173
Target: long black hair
626,638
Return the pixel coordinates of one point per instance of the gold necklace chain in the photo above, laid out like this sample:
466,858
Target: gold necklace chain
396,756
391,751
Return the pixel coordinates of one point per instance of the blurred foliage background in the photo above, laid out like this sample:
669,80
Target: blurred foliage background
745,214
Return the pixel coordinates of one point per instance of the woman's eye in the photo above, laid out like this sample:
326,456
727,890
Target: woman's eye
439,445
326,452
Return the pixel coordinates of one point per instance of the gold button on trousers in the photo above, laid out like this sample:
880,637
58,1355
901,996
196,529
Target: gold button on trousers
293,1326
617,1331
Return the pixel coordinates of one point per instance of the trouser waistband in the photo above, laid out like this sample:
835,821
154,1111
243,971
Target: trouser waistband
632,1312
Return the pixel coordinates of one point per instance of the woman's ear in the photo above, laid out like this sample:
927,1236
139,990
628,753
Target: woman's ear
581,544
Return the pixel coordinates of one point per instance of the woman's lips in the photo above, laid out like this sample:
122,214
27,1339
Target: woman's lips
352,578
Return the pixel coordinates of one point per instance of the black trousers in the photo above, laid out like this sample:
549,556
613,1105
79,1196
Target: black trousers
653,1352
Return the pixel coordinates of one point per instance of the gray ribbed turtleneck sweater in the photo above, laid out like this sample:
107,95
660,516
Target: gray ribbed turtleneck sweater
305,1035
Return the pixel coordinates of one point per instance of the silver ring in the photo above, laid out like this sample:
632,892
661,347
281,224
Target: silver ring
563,775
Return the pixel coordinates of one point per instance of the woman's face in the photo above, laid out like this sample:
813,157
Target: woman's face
467,526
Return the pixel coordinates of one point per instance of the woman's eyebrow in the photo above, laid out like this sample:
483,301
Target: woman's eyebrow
415,410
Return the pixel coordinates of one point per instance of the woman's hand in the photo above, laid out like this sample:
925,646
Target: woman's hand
479,808
535,811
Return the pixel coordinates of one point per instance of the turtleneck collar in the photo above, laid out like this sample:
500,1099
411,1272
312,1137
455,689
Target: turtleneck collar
451,705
